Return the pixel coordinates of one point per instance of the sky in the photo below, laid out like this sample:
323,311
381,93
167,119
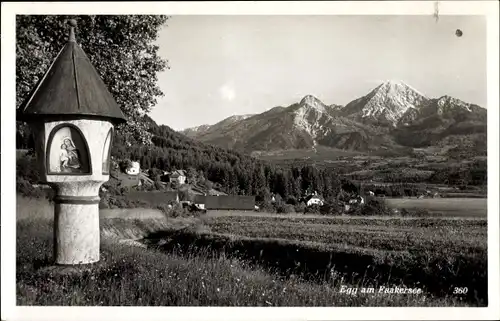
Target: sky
235,65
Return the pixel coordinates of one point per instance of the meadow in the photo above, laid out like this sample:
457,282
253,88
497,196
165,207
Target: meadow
461,207
238,260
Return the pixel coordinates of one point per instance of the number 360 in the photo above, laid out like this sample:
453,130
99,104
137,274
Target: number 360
460,290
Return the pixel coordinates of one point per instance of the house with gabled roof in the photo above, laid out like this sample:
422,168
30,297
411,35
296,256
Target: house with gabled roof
313,199
178,177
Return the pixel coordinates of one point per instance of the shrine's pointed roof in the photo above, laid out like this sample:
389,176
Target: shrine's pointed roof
71,88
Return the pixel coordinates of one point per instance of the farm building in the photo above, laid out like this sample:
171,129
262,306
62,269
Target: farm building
227,202
199,201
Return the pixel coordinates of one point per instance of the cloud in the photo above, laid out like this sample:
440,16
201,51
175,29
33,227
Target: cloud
227,92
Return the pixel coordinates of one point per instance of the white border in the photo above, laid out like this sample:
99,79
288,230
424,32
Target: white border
11,312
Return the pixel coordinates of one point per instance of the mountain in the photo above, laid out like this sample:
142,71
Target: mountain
393,116
223,125
386,104
303,125
194,131
443,121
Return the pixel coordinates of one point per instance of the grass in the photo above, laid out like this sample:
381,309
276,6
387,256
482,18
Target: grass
448,207
131,276
390,234
217,261
437,254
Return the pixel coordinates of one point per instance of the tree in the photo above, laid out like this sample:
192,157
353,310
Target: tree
121,48
192,175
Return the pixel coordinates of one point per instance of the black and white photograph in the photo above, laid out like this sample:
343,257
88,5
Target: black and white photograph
223,159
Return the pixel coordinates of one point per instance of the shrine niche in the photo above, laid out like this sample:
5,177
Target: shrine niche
106,153
68,152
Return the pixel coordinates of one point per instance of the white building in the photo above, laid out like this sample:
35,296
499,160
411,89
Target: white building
178,177
134,168
314,199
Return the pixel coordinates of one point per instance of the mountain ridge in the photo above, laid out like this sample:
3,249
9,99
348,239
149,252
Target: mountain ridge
390,117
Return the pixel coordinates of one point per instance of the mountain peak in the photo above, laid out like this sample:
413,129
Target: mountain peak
388,102
311,101
447,98
446,101
395,87
394,82
308,99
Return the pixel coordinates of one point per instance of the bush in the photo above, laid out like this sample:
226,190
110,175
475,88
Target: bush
158,185
164,208
123,202
266,206
374,206
104,202
26,168
123,190
422,212
405,212
330,209
175,210
313,209
285,208
124,164
25,188
300,207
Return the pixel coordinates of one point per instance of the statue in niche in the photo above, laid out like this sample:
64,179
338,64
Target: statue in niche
69,157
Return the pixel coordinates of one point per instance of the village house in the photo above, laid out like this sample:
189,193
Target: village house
133,169
358,200
133,177
314,199
353,203
178,177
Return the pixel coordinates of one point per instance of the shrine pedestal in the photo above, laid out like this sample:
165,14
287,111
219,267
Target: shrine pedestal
76,225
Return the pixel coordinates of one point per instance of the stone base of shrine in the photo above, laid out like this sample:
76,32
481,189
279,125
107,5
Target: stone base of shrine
76,230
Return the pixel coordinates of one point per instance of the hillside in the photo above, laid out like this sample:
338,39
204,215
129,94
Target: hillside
223,125
392,117
229,170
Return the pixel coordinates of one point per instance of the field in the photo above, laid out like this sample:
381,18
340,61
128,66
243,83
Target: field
466,207
273,260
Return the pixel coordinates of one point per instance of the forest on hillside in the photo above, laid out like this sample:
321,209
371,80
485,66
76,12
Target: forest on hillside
234,172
